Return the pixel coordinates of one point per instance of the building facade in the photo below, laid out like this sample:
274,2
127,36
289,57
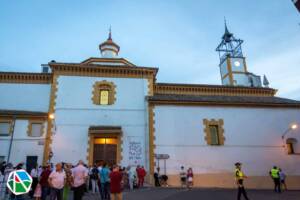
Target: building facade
108,109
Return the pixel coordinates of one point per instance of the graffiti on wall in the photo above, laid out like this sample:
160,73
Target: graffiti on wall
135,151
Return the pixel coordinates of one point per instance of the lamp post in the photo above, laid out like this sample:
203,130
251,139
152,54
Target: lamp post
51,116
11,138
51,121
50,156
291,127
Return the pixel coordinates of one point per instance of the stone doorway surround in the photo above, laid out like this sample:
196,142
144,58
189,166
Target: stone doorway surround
107,132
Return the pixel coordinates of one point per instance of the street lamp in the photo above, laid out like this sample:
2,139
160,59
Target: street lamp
291,127
51,116
294,126
50,156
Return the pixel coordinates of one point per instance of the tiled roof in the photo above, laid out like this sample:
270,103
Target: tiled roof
18,113
223,100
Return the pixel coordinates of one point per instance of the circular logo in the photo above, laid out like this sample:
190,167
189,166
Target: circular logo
19,182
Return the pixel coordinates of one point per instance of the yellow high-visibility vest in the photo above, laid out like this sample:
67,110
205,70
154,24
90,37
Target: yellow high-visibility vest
275,173
239,174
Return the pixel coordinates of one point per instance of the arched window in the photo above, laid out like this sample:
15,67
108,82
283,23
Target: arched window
290,142
104,93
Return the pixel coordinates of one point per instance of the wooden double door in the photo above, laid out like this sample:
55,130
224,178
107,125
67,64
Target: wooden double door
105,150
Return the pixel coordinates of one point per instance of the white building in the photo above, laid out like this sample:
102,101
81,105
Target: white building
112,110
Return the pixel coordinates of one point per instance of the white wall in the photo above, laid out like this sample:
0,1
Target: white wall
22,144
253,137
29,97
241,79
75,113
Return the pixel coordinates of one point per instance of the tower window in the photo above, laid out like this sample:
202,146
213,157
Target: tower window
104,93
214,132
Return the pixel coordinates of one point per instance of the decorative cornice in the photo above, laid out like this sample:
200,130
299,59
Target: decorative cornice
22,77
195,89
108,60
20,114
94,70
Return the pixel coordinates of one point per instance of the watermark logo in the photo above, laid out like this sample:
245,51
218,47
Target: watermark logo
19,182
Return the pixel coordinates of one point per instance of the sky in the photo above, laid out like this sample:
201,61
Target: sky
179,37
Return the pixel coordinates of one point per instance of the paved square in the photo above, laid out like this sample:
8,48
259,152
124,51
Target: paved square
207,194
203,194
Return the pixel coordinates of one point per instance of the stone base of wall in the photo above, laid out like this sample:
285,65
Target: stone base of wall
225,180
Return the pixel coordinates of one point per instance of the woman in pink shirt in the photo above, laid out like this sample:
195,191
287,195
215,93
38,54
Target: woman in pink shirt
190,177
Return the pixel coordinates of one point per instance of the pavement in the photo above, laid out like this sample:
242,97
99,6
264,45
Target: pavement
196,193
151,193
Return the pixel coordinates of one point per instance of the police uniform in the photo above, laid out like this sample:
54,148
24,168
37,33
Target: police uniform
275,176
239,176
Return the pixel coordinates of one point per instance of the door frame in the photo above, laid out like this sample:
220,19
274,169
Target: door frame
105,132
28,167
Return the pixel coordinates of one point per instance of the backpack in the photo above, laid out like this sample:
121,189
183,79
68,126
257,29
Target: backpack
94,174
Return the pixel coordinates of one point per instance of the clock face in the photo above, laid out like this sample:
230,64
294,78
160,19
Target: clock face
237,63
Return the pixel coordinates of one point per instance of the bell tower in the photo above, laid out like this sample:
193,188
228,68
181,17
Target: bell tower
232,64
109,49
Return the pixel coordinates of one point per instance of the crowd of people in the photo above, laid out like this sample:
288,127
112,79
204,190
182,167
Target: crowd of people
108,181
59,181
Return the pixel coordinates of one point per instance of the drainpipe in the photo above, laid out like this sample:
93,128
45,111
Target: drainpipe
11,138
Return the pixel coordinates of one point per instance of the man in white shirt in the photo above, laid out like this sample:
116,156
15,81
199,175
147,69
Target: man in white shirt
80,175
57,180
34,175
182,175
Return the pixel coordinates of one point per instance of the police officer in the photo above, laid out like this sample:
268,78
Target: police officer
239,177
274,173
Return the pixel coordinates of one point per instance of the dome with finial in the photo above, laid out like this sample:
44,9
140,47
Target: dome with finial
109,49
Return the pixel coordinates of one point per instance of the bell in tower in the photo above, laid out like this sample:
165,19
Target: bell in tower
232,64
